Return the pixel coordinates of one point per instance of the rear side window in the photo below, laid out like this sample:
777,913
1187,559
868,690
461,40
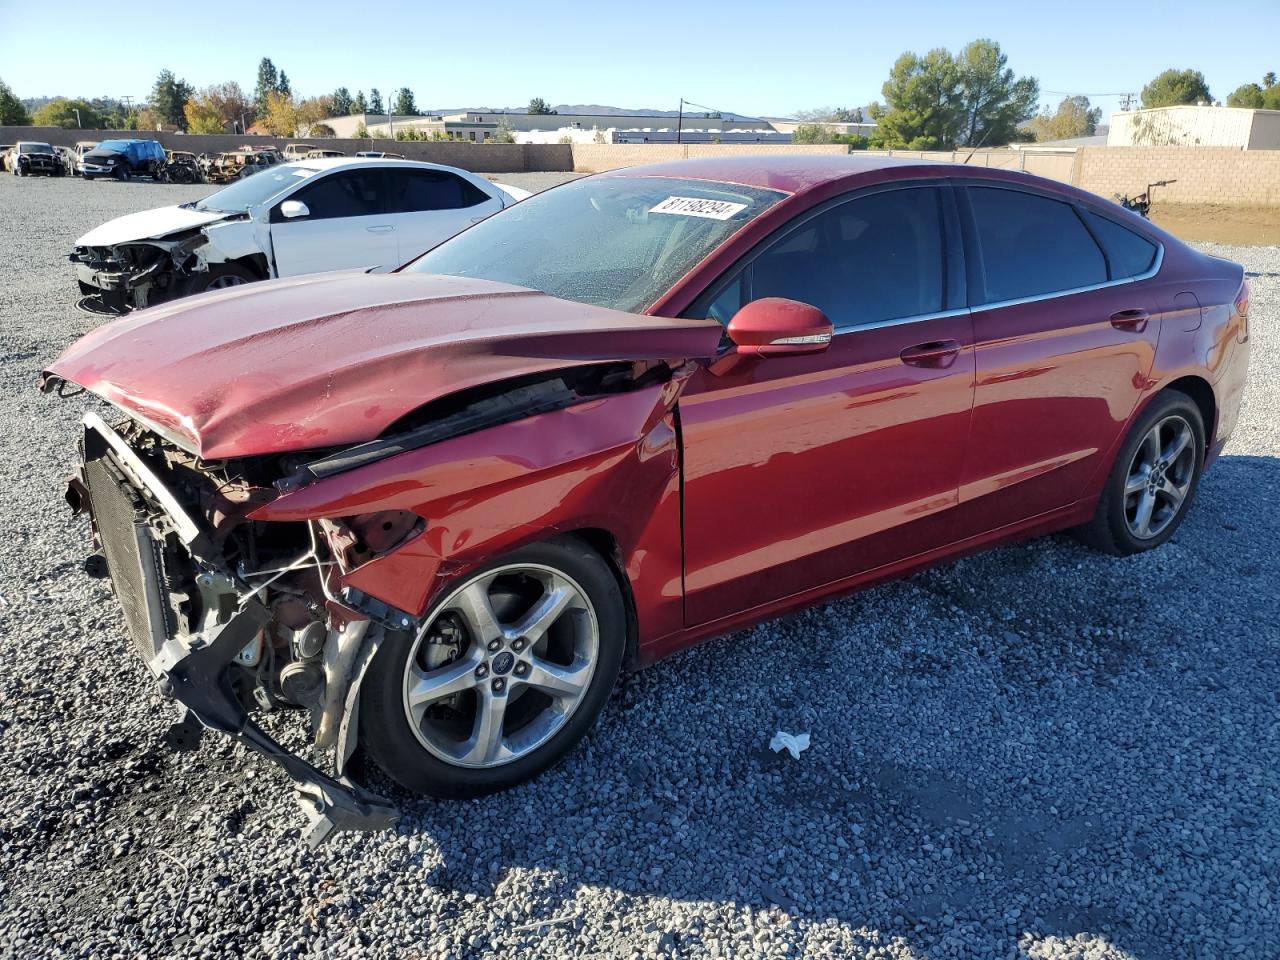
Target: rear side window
1032,245
414,191
874,258
1130,254
352,193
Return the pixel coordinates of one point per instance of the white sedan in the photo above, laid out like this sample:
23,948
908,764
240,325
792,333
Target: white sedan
309,216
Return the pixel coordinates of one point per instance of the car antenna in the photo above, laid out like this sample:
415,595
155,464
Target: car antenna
977,146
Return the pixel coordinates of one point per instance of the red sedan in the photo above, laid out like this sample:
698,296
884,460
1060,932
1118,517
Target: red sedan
441,509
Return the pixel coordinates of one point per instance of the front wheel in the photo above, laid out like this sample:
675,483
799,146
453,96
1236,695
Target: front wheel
219,276
1153,479
122,174
503,677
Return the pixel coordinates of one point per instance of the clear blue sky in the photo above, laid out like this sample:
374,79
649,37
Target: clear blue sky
748,56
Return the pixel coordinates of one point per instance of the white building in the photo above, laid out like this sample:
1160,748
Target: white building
1196,126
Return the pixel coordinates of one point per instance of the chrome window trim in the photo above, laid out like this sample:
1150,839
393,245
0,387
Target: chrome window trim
900,321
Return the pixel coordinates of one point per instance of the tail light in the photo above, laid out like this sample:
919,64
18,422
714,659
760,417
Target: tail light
1242,311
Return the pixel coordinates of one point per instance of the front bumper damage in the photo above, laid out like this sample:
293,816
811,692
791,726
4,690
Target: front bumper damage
138,274
140,526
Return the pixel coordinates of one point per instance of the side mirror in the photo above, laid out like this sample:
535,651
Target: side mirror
291,209
777,327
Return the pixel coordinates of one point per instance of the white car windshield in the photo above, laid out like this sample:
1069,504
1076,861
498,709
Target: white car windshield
619,242
258,189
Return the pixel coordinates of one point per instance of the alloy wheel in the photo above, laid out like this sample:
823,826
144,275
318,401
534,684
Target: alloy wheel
1159,477
501,665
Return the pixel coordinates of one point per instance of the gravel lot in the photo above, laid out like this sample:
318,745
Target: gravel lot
1038,752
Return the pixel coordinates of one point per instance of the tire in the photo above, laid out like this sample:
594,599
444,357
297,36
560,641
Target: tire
122,174
217,277
1118,526
400,746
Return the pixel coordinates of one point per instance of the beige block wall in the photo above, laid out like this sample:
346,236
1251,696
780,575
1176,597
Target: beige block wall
1222,175
597,157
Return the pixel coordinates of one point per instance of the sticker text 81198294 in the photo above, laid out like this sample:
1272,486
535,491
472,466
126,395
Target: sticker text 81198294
699,207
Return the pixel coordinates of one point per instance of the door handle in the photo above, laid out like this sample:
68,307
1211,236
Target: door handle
1135,320
383,228
936,353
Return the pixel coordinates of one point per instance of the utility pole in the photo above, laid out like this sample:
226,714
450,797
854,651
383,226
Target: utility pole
680,121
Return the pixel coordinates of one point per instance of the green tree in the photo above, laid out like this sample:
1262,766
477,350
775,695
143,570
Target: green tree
362,132
169,96
404,104
12,111
61,112
1174,87
375,102
923,109
341,102
283,86
1247,95
268,82
1269,79
540,107
994,102
1073,118
359,104
812,133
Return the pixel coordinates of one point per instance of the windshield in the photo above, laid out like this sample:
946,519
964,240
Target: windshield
34,148
618,242
113,146
258,189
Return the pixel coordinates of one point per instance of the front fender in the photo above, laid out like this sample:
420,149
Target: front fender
610,463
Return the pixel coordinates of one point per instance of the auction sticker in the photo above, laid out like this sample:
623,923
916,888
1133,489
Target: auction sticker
697,207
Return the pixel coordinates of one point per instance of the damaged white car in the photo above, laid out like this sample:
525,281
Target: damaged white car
310,216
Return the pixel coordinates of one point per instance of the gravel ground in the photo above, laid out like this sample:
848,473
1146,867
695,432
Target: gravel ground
1038,752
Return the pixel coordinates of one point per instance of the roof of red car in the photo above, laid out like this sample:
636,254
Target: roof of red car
791,174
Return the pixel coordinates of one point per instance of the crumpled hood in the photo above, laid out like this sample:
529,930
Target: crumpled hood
148,225
334,359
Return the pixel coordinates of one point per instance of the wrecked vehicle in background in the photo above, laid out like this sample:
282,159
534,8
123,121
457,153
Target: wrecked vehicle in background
304,217
81,148
31,158
182,167
238,164
124,159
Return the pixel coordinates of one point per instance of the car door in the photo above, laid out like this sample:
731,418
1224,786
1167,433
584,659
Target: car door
1065,339
428,207
804,470
345,225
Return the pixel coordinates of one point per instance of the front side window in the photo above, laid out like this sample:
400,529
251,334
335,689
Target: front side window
352,193
1032,245
1130,254
415,191
615,241
871,259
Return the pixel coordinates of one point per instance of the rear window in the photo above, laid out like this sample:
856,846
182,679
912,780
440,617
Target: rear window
1032,245
1130,254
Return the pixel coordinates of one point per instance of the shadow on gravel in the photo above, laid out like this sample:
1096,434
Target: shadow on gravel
1119,781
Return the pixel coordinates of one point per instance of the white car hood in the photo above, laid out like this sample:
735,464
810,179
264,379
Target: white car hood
148,225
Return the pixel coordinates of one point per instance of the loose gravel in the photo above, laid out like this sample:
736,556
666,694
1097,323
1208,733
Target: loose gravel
1038,752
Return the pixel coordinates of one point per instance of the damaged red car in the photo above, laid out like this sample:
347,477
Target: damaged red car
441,509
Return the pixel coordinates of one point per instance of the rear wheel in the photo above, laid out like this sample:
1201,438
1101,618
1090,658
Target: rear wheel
505,675
1153,480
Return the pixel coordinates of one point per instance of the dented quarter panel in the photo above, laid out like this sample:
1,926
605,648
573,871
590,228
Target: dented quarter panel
610,464
231,240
